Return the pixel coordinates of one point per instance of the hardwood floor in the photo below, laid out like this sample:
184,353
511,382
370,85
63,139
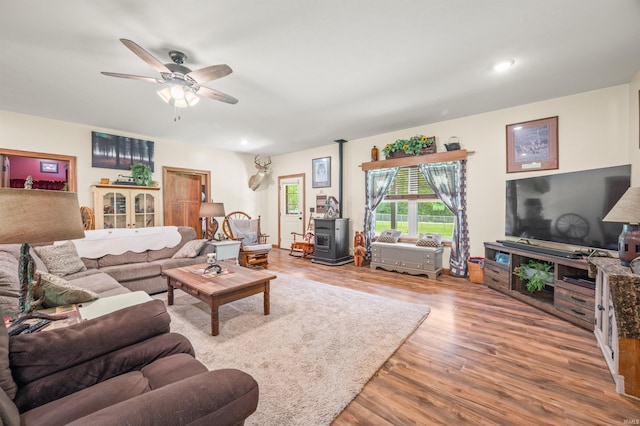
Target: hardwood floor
479,358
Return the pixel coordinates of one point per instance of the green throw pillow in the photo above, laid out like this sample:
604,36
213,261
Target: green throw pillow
58,291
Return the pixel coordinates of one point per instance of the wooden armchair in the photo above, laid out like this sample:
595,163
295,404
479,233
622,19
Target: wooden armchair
303,248
254,249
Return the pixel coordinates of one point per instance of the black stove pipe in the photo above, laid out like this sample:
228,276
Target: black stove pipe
340,142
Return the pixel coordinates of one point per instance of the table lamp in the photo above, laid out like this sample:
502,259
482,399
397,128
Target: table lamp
211,210
627,211
36,216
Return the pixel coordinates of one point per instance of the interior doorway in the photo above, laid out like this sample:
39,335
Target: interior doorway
291,208
51,169
183,191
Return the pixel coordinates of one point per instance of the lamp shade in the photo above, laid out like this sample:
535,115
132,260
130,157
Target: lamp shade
627,209
211,210
38,216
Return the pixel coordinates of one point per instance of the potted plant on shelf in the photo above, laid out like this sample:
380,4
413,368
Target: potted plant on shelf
141,174
415,145
535,274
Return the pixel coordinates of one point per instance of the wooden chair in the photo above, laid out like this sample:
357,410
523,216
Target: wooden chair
254,249
303,248
88,219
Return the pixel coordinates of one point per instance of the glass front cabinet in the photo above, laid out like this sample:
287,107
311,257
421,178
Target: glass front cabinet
126,207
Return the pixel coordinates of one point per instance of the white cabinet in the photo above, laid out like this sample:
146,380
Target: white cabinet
617,328
606,329
409,258
126,206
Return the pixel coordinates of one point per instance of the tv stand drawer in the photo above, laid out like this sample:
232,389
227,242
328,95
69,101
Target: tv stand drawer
496,275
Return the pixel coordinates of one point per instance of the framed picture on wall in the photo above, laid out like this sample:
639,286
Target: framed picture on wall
49,166
321,172
532,145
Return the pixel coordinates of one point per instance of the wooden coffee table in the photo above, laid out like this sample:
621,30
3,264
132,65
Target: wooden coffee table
218,290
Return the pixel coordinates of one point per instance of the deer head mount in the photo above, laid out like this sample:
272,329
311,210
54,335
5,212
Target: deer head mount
263,170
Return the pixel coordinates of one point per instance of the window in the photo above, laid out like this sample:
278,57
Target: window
291,194
412,207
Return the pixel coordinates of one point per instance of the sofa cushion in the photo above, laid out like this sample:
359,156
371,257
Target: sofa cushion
100,283
190,249
171,369
61,259
6,380
37,355
89,400
57,291
9,414
122,259
132,271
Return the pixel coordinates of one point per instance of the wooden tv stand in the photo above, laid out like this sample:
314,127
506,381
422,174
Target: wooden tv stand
572,302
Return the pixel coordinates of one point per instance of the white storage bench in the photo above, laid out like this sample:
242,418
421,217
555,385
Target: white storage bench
409,258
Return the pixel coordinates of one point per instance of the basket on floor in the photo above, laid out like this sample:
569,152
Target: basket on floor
476,269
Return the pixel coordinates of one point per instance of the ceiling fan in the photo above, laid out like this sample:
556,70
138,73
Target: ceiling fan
182,85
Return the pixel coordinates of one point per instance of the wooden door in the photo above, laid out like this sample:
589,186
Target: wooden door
183,193
6,171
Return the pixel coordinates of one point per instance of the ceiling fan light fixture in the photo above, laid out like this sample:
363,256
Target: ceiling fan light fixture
191,98
177,92
165,94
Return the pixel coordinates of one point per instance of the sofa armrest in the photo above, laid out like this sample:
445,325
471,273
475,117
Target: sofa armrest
81,376
33,356
221,397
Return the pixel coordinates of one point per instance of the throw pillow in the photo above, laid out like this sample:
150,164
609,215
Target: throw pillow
248,238
190,249
61,259
58,291
429,240
389,236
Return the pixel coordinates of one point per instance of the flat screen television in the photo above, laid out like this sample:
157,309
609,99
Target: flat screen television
567,208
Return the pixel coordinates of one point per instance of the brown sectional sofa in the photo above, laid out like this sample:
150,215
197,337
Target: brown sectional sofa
125,368
108,275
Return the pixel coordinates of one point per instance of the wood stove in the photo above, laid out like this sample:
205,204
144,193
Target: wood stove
331,242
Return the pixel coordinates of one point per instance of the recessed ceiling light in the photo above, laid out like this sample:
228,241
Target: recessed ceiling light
244,142
504,65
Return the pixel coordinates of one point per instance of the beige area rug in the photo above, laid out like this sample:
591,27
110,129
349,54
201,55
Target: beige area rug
311,356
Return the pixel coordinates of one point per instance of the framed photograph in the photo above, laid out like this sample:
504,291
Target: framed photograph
48,167
532,145
321,172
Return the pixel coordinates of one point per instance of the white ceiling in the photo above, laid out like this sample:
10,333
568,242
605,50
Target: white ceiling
308,72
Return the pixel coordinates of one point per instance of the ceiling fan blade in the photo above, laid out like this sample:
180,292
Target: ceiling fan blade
134,77
218,96
212,72
145,56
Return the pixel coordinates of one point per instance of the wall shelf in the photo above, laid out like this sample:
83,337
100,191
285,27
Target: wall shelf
414,160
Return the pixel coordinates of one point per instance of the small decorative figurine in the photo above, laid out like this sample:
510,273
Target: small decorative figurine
359,250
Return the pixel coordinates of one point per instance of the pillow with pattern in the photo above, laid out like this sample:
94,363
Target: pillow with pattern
389,236
57,291
190,250
429,240
61,259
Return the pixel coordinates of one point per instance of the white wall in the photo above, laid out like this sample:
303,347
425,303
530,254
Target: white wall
230,171
596,129
593,132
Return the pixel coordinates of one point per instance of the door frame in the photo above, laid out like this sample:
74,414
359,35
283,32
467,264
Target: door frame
72,185
205,178
302,177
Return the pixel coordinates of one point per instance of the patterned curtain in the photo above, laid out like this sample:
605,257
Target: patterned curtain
377,184
449,182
